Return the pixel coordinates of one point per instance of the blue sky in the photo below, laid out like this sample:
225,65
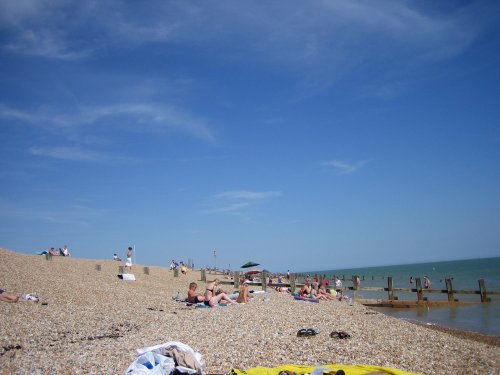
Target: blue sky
301,135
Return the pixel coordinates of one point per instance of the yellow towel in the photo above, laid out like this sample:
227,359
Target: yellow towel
326,369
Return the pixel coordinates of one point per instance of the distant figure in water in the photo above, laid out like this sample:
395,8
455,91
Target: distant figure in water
427,282
411,279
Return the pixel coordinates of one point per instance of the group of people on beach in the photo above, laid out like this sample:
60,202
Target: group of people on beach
64,252
315,290
181,265
215,295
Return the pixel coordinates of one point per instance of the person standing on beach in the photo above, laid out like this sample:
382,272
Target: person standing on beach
128,262
427,282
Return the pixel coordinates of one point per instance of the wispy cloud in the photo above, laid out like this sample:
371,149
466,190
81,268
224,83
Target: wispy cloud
80,154
247,195
234,201
345,167
297,34
140,117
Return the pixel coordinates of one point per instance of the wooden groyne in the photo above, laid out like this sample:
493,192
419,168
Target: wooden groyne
422,294
422,300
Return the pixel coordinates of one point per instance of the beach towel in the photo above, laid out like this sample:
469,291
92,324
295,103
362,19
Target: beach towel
325,369
127,276
306,299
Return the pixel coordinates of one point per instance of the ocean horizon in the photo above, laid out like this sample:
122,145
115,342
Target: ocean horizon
465,274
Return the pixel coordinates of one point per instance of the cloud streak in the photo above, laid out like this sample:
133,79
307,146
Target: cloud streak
80,154
139,117
345,167
234,201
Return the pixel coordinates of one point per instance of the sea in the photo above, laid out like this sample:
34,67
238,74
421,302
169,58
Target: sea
465,274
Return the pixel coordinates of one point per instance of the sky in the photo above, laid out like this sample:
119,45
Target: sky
299,135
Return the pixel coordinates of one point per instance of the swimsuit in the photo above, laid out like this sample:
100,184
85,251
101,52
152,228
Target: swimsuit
207,303
1,290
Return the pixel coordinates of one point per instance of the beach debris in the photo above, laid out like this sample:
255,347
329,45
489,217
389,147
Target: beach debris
167,358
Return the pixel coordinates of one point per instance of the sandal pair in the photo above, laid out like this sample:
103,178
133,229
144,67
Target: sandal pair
340,335
307,332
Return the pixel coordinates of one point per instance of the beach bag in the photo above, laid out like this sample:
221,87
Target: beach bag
167,358
151,363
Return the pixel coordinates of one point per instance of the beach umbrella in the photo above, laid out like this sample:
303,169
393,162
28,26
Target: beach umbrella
249,264
252,272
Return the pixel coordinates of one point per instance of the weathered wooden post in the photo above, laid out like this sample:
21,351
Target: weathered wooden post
264,281
292,283
204,275
236,279
120,269
97,267
176,272
420,294
390,288
48,256
449,290
146,270
482,291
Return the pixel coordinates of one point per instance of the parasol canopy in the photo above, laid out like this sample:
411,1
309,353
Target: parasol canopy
249,264
252,272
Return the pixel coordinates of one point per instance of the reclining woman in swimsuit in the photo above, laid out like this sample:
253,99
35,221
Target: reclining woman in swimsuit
305,291
212,299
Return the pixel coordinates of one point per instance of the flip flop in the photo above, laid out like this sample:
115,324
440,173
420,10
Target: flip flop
311,332
302,333
340,335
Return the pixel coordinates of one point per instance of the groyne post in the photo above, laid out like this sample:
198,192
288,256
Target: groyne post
97,267
146,270
482,291
292,282
48,256
390,288
420,294
449,288
204,275
176,272
236,279
264,281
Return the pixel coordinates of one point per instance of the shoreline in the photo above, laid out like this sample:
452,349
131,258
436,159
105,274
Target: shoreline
94,323
469,335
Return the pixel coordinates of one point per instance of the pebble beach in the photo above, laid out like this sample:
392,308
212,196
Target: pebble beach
92,322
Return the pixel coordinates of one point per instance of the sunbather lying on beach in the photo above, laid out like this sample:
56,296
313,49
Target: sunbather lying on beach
214,299
283,289
11,297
